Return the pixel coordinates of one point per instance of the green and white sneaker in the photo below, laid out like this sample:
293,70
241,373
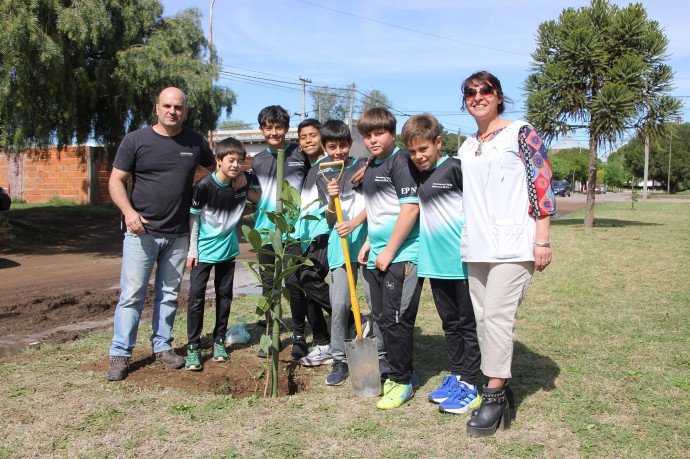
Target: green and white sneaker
219,352
193,362
395,395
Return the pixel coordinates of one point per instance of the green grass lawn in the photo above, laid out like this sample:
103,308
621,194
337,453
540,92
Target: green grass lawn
601,369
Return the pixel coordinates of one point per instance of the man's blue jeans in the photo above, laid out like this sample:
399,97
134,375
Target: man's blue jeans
139,254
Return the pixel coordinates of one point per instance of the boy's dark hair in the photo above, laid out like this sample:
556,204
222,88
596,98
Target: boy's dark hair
335,131
424,126
228,146
376,118
485,78
309,122
274,114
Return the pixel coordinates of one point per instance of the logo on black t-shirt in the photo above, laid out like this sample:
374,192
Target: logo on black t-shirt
186,153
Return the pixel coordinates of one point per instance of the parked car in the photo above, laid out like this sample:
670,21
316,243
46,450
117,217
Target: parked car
561,188
5,200
600,189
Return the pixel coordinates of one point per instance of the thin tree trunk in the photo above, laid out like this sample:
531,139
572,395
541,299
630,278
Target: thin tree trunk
591,181
276,303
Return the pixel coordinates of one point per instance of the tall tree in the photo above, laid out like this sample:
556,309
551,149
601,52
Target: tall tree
570,164
679,149
330,103
615,174
234,124
74,71
600,68
451,142
374,98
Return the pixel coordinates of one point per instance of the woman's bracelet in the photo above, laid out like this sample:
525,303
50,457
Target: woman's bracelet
329,210
542,244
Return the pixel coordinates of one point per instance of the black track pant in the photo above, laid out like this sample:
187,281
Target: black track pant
223,280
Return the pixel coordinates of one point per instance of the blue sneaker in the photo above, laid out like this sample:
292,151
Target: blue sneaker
463,399
444,390
338,374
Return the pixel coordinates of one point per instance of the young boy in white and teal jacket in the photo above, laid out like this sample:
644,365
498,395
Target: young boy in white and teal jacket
441,220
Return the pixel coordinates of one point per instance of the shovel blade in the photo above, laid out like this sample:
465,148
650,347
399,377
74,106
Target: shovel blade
363,363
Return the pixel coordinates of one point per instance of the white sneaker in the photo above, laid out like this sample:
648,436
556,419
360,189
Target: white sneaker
320,355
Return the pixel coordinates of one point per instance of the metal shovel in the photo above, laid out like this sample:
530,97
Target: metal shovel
361,353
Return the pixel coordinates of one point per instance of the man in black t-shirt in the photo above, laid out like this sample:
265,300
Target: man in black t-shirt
161,161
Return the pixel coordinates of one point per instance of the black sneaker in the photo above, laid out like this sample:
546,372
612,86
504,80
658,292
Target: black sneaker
299,347
339,373
170,359
119,368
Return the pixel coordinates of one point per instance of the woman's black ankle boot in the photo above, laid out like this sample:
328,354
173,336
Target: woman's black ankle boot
510,396
494,412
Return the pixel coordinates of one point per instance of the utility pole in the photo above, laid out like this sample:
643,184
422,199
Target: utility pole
210,59
670,140
304,91
352,106
646,166
459,144
670,144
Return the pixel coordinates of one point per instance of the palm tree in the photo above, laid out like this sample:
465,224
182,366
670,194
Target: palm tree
600,68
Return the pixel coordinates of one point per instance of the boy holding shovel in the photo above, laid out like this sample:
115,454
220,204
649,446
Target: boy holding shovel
337,140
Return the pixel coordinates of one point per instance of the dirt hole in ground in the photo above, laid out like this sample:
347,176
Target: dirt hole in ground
66,317
244,375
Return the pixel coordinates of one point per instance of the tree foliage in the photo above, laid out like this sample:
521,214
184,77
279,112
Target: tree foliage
76,71
234,124
600,68
330,103
451,143
334,103
570,164
615,174
678,139
373,99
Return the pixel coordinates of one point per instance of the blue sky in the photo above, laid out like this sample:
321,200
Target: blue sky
416,52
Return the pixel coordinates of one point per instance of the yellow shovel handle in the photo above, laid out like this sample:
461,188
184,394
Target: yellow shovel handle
348,268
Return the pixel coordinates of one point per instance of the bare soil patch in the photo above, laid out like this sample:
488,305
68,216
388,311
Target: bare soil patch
60,280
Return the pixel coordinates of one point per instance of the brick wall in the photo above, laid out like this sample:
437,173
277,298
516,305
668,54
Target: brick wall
64,176
4,172
56,176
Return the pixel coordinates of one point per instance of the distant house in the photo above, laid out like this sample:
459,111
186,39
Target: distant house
566,144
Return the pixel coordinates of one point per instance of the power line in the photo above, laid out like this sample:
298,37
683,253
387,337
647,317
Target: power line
409,29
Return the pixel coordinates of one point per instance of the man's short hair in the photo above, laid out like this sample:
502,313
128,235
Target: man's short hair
374,119
335,131
229,146
274,114
424,126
